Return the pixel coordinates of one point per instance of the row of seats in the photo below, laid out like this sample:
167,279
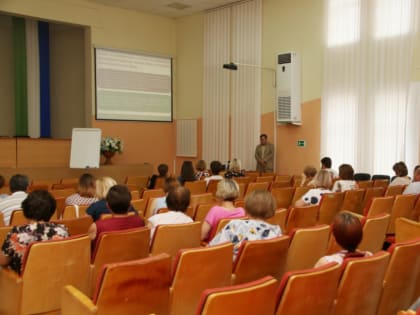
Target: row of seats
381,284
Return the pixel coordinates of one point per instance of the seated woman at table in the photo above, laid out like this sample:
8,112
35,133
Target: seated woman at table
38,208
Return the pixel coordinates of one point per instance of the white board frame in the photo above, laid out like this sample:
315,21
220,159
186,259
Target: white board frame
85,148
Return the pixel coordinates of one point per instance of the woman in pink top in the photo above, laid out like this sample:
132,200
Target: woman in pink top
227,192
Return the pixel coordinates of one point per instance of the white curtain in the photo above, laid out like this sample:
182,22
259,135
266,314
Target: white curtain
368,56
232,99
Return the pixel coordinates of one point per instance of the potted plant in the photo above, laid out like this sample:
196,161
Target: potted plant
110,146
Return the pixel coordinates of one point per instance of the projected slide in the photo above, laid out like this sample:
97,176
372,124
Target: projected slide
132,86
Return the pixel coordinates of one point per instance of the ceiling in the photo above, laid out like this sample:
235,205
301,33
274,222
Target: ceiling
168,8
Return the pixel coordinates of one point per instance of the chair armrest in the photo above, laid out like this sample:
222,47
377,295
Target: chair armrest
75,302
11,292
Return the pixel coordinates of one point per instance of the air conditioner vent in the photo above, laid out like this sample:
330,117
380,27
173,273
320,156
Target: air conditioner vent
284,58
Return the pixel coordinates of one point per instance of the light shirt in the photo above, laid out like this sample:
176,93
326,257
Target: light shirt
413,188
337,257
170,217
11,203
207,179
400,181
158,203
344,185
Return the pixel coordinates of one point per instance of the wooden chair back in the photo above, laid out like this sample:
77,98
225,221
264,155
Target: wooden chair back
256,186
139,182
220,225
259,296
371,193
406,230
212,186
160,182
299,284
280,185
403,207
1,219
398,289
297,180
394,190
244,180
283,196
252,175
170,238
381,183
56,193
364,184
353,200
416,211
262,179
4,230
196,187
379,205
242,190
18,218
190,280
44,183
76,226
283,178
38,289
65,186
33,187
307,246
301,217
202,210
148,195
279,218
374,232
139,205
329,206
59,207
74,211
360,285
200,199
73,180
299,192
257,259
133,287
118,246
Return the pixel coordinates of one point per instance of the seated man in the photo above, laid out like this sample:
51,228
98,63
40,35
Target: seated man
178,200
118,200
38,208
18,185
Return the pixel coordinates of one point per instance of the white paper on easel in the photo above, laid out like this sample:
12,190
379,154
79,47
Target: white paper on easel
85,148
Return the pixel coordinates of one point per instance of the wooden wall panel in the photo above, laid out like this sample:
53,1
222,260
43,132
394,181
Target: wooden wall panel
43,152
8,152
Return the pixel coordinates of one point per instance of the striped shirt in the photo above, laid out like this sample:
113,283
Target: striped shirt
11,203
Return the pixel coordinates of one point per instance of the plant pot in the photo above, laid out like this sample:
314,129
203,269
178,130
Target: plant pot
108,157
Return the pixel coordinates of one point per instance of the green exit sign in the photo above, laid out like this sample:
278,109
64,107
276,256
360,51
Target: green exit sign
300,143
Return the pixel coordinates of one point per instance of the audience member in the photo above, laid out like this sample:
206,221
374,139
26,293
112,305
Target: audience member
309,173
85,192
201,170
414,186
38,208
216,167
348,233
178,200
346,181
401,174
118,200
227,192
235,169
259,206
96,209
18,185
322,183
159,203
326,164
163,173
187,173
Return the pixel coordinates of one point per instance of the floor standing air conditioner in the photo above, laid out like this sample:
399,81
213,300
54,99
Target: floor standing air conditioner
288,88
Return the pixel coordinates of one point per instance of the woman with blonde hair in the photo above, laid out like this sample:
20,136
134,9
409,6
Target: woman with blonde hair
227,192
322,183
103,185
